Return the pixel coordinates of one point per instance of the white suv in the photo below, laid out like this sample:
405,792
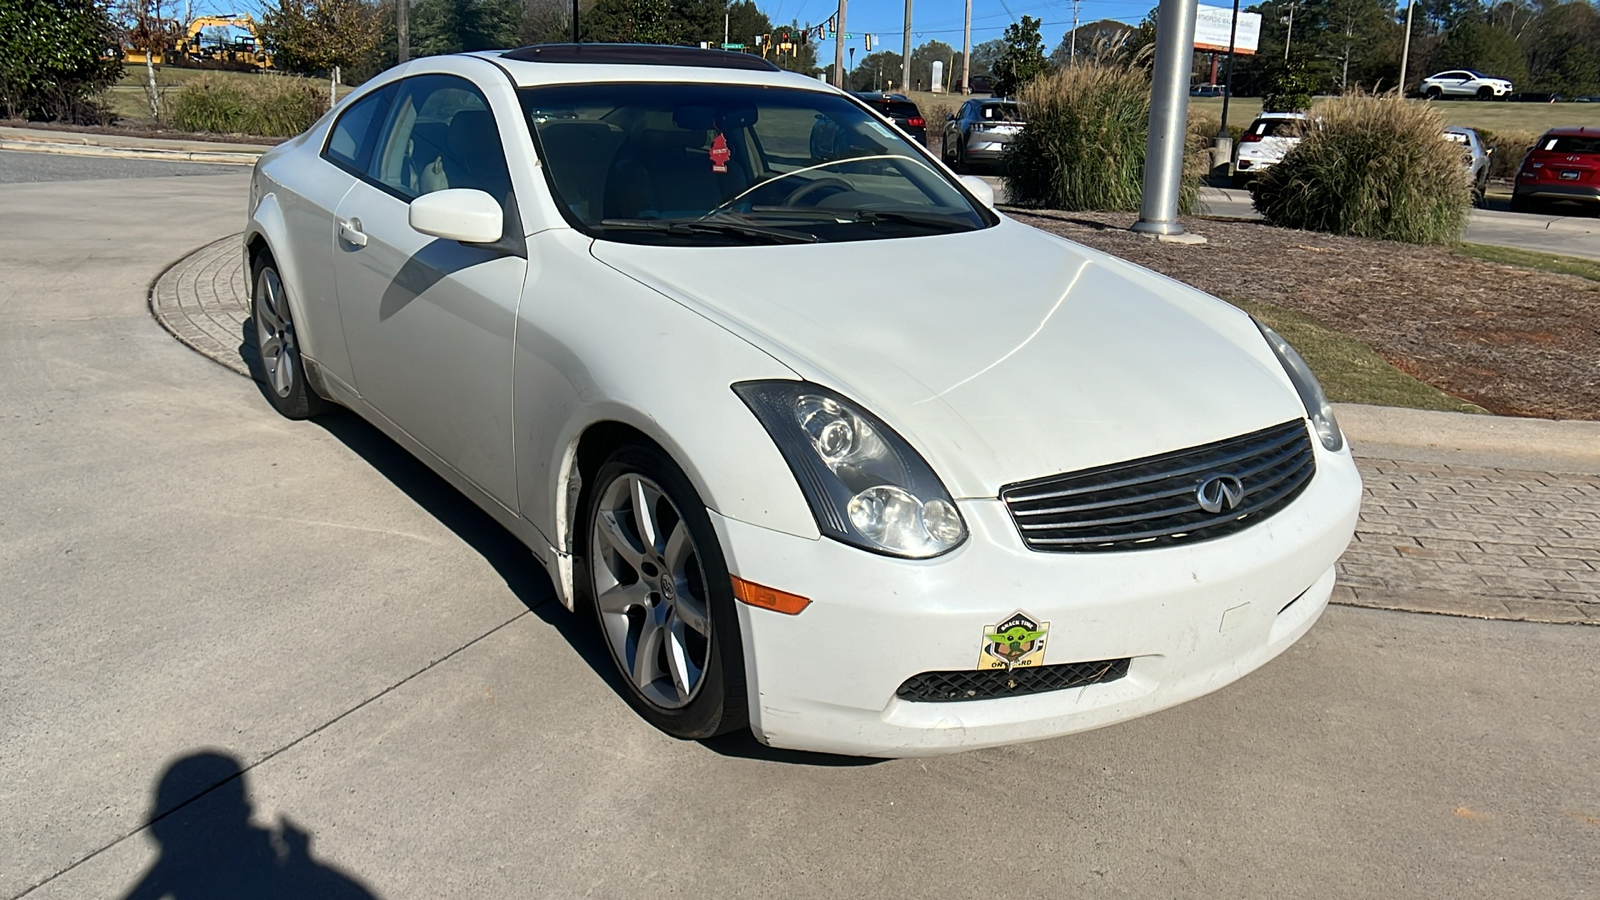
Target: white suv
1264,142
1464,83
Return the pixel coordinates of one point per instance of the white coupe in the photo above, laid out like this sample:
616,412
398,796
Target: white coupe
703,335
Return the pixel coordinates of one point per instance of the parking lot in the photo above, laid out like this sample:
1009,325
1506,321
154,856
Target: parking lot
196,584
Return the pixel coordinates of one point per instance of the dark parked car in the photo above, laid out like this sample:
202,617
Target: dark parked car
1563,165
1208,90
980,131
900,109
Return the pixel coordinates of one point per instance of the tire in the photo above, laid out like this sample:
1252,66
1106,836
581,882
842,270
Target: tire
1523,204
1242,182
279,368
1485,93
961,166
1433,92
668,592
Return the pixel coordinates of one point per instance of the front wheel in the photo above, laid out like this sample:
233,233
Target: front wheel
280,367
1433,92
1485,93
651,570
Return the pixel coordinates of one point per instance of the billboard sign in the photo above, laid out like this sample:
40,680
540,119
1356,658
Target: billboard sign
1212,24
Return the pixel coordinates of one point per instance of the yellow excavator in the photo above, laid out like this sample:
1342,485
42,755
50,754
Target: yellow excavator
197,50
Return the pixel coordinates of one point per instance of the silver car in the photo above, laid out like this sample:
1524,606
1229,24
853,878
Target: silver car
980,131
1477,158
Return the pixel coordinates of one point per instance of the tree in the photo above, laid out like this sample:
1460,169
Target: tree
923,58
1474,44
1103,39
875,71
632,22
1563,48
143,27
462,26
1289,86
986,55
546,22
1023,58
51,62
321,35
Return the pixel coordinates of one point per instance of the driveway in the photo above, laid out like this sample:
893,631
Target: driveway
195,586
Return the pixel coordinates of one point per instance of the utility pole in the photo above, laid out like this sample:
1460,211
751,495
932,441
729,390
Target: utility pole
838,48
1169,111
966,53
402,29
1072,52
905,58
574,20
1289,36
1405,50
1227,80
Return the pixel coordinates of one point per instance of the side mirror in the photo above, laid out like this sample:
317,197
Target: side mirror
979,189
458,214
949,117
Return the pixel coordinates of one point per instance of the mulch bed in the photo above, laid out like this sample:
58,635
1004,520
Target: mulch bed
145,130
1518,342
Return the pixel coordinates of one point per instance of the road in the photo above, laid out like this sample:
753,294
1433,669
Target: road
190,578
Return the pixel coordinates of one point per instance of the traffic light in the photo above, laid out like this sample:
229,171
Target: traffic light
869,43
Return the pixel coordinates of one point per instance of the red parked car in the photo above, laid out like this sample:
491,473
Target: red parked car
1563,165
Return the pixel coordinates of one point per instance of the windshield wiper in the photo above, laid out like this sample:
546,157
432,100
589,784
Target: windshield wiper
713,226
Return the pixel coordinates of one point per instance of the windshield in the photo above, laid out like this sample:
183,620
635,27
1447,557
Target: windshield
696,164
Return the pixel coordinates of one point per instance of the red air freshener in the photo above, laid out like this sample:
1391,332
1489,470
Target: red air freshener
720,153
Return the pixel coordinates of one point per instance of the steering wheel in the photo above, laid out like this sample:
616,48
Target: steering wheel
806,190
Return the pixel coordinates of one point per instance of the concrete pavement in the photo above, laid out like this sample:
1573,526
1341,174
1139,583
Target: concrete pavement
187,571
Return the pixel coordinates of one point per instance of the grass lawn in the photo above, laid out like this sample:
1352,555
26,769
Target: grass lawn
1561,265
1350,371
129,100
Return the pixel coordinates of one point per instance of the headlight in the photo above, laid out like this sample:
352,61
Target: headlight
1305,384
865,484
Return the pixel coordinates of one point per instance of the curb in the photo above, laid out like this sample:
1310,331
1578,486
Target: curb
1499,442
146,153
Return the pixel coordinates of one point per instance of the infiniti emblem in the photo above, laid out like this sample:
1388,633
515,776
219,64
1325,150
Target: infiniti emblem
1218,493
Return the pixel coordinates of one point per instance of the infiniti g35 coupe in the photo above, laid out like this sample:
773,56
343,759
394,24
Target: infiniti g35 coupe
686,325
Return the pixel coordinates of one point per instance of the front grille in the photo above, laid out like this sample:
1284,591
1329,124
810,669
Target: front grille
986,684
1152,502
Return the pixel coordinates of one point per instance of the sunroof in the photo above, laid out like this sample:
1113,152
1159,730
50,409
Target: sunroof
639,55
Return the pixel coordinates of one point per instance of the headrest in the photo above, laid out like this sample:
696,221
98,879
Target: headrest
694,118
471,130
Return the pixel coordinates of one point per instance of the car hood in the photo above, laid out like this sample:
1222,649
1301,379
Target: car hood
1001,355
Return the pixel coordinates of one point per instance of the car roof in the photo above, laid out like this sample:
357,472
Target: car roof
1460,129
1573,131
546,64
1280,115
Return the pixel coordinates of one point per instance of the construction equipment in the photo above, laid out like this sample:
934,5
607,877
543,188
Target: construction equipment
196,49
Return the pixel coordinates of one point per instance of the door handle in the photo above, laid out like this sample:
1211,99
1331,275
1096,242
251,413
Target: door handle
350,232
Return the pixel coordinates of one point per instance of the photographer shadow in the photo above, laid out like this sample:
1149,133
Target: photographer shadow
210,848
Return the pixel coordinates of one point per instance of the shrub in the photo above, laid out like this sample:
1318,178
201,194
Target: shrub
255,104
1289,87
1509,148
1377,167
50,58
1083,147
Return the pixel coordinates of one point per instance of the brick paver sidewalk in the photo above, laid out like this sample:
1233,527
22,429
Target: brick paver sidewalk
1489,543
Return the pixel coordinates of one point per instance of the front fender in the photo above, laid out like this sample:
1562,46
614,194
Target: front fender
266,223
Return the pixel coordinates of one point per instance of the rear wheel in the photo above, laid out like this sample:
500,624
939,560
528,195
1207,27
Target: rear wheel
1522,204
962,167
279,368
652,572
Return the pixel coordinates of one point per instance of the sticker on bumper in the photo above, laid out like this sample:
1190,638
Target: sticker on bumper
1018,641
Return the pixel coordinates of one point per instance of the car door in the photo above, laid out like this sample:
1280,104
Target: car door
1458,84
428,321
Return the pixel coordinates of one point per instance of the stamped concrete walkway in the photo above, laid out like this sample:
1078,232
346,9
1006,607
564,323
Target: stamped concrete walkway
1435,536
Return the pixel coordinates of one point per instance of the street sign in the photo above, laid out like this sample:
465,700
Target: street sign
1213,23
733,46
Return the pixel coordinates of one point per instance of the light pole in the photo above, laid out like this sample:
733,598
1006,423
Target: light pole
905,58
1289,35
1405,49
1169,110
966,53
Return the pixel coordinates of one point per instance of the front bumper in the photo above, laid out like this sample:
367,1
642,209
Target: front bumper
1192,618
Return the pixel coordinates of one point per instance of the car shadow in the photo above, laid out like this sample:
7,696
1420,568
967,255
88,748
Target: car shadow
201,819
523,574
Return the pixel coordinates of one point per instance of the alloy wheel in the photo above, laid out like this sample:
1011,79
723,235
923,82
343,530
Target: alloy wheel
275,333
649,591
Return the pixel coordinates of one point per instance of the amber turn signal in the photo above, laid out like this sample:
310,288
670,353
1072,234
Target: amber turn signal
768,598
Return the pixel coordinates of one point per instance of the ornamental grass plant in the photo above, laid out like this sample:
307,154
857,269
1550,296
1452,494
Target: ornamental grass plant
274,106
1084,142
1374,167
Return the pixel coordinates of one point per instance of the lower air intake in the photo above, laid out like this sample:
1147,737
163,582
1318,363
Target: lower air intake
952,687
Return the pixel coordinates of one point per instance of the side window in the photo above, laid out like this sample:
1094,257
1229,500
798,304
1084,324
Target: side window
350,142
440,134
